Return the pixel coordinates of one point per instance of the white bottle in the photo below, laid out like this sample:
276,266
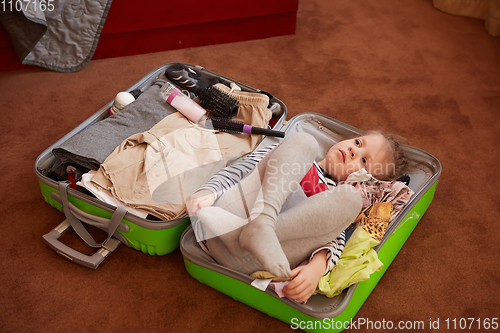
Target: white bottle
182,103
122,99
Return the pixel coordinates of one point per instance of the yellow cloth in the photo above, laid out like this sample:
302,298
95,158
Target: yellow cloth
357,262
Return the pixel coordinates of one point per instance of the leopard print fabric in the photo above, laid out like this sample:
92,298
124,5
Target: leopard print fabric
375,219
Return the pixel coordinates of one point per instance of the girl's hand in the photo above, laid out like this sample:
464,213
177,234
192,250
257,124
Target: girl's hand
198,200
305,278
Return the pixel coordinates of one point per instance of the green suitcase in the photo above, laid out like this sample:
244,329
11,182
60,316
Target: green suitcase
320,313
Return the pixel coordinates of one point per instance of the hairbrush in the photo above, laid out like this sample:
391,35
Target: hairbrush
237,127
218,103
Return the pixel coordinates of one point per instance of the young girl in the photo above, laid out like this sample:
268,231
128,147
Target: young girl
279,206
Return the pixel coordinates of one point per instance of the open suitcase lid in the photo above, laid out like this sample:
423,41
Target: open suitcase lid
327,131
46,158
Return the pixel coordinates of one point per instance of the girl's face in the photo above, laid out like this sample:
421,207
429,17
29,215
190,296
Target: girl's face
370,152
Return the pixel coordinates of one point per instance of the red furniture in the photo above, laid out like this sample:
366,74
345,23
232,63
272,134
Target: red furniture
133,27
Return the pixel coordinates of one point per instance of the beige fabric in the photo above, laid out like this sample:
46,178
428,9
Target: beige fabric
488,10
157,169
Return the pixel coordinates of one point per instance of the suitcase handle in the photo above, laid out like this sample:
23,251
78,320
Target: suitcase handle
97,221
52,240
106,247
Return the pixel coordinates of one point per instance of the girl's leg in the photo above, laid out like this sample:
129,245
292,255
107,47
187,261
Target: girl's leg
278,176
301,230
316,221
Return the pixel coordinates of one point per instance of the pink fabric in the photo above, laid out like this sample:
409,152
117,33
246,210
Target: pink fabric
395,192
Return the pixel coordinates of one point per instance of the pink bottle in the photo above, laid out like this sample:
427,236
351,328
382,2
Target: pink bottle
182,103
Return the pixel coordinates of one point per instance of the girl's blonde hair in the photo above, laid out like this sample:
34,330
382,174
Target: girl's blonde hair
398,154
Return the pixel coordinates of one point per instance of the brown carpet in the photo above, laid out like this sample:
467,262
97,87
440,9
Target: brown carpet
401,66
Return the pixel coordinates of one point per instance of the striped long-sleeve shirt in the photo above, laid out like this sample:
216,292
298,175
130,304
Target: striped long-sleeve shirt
231,175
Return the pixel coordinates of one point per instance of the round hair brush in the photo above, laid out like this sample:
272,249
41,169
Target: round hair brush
237,127
218,103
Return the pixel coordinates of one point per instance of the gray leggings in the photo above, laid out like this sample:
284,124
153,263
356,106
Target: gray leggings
302,224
